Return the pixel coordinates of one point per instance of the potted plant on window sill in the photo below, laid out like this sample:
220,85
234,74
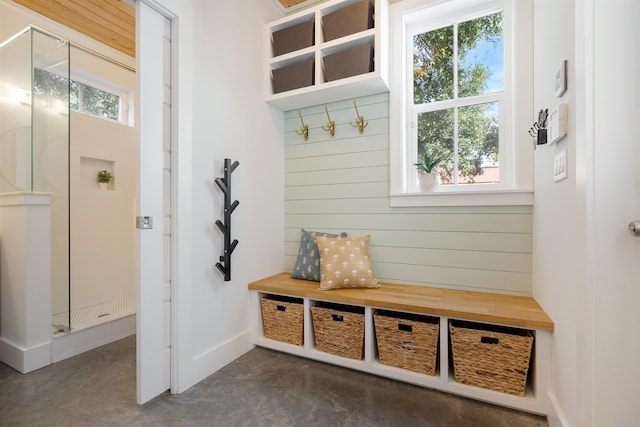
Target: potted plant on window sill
428,178
104,177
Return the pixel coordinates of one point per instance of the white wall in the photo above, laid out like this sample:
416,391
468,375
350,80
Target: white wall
102,222
231,120
558,220
222,115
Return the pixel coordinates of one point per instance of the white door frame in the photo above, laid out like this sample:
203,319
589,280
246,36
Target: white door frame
145,307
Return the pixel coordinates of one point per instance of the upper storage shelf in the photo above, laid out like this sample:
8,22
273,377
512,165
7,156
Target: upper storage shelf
336,50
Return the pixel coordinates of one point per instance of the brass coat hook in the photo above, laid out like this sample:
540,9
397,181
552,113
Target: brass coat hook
360,123
304,130
331,126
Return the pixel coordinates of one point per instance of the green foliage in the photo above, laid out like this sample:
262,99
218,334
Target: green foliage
104,176
81,97
50,84
429,163
94,101
433,75
433,66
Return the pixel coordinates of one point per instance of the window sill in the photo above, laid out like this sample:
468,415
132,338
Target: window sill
456,198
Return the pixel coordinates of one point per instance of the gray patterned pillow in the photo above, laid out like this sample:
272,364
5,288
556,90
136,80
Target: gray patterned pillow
307,265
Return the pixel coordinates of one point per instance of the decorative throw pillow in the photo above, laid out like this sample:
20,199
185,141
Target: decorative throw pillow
307,265
345,263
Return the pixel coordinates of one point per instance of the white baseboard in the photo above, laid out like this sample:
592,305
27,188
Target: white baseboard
556,417
25,360
77,342
217,357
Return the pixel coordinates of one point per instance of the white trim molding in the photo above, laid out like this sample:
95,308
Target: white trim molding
457,198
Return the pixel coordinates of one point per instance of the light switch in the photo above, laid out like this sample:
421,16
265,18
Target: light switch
557,126
560,165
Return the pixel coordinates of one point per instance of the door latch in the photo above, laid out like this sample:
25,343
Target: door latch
634,228
144,222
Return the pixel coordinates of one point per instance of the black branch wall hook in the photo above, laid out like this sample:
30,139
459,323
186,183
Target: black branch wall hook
224,184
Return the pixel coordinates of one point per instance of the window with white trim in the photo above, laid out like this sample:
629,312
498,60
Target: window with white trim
88,99
86,95
461,92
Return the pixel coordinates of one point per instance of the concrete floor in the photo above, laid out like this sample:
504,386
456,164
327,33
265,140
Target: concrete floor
262,388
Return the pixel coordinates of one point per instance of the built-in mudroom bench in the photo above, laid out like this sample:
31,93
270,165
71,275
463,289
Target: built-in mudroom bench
293,305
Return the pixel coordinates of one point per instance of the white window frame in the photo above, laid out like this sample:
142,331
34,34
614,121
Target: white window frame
125,115
516,146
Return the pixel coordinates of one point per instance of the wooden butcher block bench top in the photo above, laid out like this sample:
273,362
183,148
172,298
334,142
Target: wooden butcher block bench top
509,310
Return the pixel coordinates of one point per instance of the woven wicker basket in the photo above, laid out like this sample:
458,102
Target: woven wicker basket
492,357
282,318
339,329
407,341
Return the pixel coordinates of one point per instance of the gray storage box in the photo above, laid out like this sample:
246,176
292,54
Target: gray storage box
349,62
294,76
348,20
292,38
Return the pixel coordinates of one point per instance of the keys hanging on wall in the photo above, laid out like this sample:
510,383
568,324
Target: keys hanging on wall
539,129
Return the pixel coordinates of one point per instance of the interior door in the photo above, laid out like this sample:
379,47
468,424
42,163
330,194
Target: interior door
153,362
616,203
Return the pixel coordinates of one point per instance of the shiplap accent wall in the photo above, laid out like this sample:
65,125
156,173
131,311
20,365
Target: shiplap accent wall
341,183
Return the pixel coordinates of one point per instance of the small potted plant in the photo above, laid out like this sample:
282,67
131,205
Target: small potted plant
104,177
427,177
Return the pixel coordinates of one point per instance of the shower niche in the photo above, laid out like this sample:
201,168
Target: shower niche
89,168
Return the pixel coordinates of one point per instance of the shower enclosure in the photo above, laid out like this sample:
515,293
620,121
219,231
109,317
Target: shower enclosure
34,138
46,146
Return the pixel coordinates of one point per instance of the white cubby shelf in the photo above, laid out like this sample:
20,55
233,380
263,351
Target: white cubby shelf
518,312
322,91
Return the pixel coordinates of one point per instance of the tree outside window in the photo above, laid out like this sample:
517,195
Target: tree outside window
458,81
82,97
97,102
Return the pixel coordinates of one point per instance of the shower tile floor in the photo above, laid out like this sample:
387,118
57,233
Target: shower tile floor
94,315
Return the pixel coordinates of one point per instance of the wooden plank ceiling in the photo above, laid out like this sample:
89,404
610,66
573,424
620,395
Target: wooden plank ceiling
112,22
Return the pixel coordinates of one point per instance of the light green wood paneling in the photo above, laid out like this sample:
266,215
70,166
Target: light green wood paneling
482,223
341,183
455,278
477,260
381,205
339,161
470,241
335,176
342,191
338,146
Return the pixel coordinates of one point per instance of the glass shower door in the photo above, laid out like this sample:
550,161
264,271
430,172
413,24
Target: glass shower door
50,139
15,110
34,140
